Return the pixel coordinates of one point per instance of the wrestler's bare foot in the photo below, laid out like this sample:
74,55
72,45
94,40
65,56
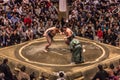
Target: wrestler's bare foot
45,50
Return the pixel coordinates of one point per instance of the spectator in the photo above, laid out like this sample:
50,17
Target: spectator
27,20
4,39
42,77
22,74
33,76
112,71
49,24
89,33
118,71
14,19
14,38
40,31
101,74
6,70
61,76
29,34
99,34
2,75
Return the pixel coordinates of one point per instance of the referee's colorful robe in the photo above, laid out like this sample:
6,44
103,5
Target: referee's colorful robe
76,49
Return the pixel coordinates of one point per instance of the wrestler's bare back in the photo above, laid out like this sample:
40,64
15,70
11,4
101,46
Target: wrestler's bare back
68,32
53,31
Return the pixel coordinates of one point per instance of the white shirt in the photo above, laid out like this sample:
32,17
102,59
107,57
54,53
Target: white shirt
61,79
5,1
26,1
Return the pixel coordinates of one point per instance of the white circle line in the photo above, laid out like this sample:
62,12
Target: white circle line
20,53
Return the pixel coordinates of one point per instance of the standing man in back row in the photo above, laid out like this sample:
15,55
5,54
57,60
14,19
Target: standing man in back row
4,68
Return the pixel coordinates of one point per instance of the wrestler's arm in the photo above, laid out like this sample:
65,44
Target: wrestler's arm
45,33
59,31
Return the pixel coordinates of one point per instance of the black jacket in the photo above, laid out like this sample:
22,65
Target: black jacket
101,75
6,70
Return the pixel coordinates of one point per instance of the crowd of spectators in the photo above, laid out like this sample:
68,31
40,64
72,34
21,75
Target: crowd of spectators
19,73
6,73
96,20
22,73
23,20
110,73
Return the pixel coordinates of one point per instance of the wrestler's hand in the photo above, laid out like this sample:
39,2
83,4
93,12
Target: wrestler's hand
44,35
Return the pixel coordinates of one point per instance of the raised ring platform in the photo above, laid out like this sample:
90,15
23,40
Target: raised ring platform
58,58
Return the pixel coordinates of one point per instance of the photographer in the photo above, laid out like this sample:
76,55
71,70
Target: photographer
61,75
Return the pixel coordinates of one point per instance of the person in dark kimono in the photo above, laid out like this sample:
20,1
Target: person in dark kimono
14,38
4,39
101,74
6,70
